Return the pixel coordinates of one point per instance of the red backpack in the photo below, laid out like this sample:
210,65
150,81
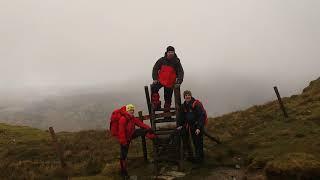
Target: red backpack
114,122
205,112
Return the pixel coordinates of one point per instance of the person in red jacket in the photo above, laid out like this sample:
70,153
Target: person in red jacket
127,132
166,72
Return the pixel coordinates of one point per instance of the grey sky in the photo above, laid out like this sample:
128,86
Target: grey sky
74,42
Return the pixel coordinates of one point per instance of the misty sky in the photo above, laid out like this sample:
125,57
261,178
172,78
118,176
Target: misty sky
59,43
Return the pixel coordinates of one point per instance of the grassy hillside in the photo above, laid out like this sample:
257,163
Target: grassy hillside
28,153
259,140
266,141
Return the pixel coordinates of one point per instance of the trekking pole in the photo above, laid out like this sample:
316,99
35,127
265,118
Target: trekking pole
190,143
211,137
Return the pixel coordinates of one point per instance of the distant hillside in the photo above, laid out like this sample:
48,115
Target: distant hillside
72,112
81,108
259,140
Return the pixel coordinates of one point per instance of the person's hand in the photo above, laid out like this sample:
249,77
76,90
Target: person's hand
197,131
179,128
155,81
178,81
150,130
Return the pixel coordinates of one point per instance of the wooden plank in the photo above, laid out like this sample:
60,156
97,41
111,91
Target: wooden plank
165,120
162,109
143,142
166,128
159,132
168,159
177,98
166,114
146,90
151,113
57,147
160,115
280,102
155,157
153,125
168,146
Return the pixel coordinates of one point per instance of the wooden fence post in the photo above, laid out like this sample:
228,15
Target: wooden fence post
57,147
280,102
177,96
143,140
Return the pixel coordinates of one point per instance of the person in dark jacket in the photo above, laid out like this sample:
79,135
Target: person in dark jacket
192,123
166,72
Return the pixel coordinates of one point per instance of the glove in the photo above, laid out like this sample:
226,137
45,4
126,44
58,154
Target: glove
197,131
150,130
179,128
178,81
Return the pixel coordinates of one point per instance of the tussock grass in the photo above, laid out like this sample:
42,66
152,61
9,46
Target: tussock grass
267,141
258,138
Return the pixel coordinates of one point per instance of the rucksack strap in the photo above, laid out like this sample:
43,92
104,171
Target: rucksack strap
195,102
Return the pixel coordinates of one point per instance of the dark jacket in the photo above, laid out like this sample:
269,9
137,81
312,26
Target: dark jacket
174,63
193,117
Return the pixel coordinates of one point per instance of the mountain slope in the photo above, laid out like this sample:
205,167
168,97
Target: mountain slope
258,139
265,140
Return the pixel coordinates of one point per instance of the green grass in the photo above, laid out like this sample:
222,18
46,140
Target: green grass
263,137
25,152
28,153
258,138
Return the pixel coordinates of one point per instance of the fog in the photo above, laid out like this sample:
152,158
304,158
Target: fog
233,52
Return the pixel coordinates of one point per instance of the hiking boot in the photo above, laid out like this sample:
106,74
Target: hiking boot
124,174
156,106
123,169
167,106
